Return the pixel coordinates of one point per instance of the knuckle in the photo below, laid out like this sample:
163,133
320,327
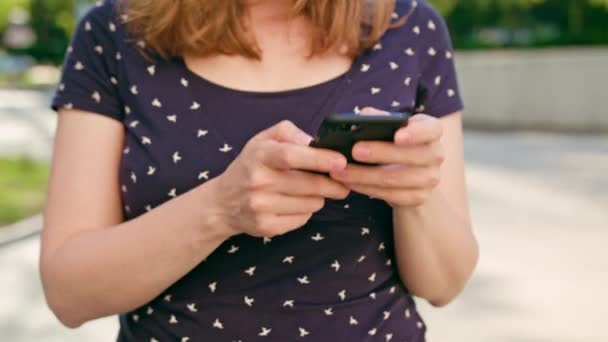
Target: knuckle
387,181
319,182
259,151
302,220
438,157
257,179
285,125
434,178
417,198
305,219
266,230
320,163
285,128
285,156
343,192
257,205
317,204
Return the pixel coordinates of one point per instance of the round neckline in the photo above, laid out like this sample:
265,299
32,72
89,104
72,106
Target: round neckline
193,76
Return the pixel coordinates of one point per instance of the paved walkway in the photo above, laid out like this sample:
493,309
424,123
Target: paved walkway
26,124
539,208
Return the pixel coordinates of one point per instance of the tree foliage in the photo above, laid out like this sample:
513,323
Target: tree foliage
473,23
526,22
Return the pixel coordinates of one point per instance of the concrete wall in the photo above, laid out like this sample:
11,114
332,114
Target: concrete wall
554,89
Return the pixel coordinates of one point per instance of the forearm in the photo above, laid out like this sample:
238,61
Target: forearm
116,269
435,248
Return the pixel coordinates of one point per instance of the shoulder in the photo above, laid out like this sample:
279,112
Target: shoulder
421,17
417,10
102,20
423,26
103,11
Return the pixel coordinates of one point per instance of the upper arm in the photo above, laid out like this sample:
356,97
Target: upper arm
439,96
83,189
437,91
453,183
84,182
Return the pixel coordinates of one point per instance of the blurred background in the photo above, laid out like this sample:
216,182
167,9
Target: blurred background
534,75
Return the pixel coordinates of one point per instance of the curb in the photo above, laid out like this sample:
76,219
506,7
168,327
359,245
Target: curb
20,231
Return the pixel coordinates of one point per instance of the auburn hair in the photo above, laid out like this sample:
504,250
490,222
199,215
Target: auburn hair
173,28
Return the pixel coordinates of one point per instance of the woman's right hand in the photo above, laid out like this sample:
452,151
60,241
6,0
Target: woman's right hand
267,191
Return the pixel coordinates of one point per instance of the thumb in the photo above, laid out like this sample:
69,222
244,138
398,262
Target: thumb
287,132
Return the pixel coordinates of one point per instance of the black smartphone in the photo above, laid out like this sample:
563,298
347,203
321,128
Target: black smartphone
340,132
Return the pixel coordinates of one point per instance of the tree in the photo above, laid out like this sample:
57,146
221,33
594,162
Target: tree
52,21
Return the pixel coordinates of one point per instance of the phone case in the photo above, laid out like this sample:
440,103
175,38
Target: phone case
340,132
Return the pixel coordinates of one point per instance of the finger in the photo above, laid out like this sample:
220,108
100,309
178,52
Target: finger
280,204
284,156
281,224
285,131
271,225
379,152
373,111
394,196
390,176
420,129
303,183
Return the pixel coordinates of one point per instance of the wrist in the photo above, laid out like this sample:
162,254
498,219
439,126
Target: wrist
416,211
211,217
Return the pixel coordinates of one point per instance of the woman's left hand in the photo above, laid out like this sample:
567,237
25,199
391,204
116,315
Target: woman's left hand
409,167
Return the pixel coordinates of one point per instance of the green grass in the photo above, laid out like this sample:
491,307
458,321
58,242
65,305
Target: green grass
22,188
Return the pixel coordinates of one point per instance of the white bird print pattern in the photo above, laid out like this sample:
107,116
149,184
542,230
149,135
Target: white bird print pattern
335,265
217,324
303,280
178,137
250,271
317,237
176,157
203,175
265,331
288,259
96,96
226,148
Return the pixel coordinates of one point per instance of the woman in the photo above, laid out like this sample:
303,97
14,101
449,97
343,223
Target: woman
181,196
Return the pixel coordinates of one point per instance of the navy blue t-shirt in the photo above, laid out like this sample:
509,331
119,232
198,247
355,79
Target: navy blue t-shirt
335,278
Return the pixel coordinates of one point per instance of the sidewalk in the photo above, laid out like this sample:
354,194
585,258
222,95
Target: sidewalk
539,210
26,123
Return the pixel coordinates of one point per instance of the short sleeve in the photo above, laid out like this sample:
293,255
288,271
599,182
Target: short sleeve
438,92
89,74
